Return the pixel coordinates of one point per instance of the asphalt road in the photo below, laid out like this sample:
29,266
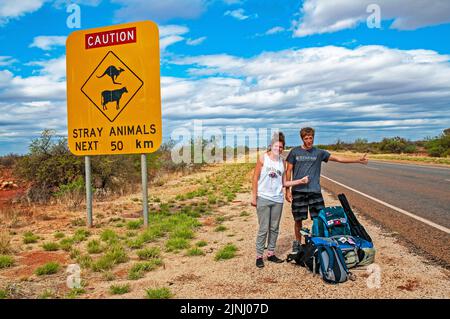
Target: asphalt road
423,191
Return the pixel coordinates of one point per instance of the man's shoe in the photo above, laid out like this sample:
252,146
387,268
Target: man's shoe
275,259
259,262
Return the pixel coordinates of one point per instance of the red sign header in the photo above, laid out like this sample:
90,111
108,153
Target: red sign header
109,38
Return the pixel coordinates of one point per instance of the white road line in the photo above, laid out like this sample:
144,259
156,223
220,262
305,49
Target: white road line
376,169
410,165
421,219
447,180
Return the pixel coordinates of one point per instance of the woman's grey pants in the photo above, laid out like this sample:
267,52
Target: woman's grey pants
269,216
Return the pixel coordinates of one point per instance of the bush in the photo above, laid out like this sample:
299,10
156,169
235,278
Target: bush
50,246
149,253
159,293
227,252
30,238
47,269
6,261
439,146
119,289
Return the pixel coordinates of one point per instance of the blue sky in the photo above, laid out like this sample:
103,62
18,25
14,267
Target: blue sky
249,64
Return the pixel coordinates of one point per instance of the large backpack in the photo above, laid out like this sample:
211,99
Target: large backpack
357,251
331,221
332,267
324,257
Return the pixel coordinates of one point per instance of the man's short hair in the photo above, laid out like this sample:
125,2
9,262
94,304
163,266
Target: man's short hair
306,131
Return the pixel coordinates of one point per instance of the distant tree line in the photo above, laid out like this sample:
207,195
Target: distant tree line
438,146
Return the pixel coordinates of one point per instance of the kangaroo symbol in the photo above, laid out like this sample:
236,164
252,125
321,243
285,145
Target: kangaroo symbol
112,72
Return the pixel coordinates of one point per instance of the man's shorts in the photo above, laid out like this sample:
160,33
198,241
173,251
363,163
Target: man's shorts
302,201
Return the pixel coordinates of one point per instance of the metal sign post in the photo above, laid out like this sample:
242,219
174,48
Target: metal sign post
144,188
87,165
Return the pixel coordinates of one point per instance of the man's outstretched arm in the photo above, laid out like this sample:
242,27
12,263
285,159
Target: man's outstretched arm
361,160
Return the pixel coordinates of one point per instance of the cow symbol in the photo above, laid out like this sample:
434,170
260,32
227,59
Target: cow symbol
111,96
112,72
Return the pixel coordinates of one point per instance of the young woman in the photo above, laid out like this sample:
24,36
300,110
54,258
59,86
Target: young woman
267,196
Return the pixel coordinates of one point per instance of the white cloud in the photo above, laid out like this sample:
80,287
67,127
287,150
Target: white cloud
373,90
171,34
275,30
13,9
195,42
322,16
239,14
47,43
6,60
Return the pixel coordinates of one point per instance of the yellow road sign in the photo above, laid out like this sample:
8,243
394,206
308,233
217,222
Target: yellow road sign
113,90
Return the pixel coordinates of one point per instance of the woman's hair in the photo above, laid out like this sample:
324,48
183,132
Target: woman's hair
277,137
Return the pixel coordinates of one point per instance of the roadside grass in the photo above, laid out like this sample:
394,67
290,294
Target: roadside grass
138,270
3,294
115,254
59,235
159,293
227,252
6,261
135,224
94,247
176,244
66,243
119,289
149,253
30,238
49,268
75,292
220,228
195,252
5,243
50,246
47,294
201,243
110,236
81,235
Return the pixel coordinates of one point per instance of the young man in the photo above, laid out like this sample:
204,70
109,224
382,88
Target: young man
306,160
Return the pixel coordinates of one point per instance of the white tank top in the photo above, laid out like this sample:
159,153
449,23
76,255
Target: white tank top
270,183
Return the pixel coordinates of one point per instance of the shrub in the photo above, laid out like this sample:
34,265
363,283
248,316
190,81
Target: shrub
48,269
149,253
94,247
59,235
220,228
66,244
119,289
201,243
158,293
6,261
195,252
176,243
109,236
135,224
50,246
5,243
81,235
227,252
138,270
30,238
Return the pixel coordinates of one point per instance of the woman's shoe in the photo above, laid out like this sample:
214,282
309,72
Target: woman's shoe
259,262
